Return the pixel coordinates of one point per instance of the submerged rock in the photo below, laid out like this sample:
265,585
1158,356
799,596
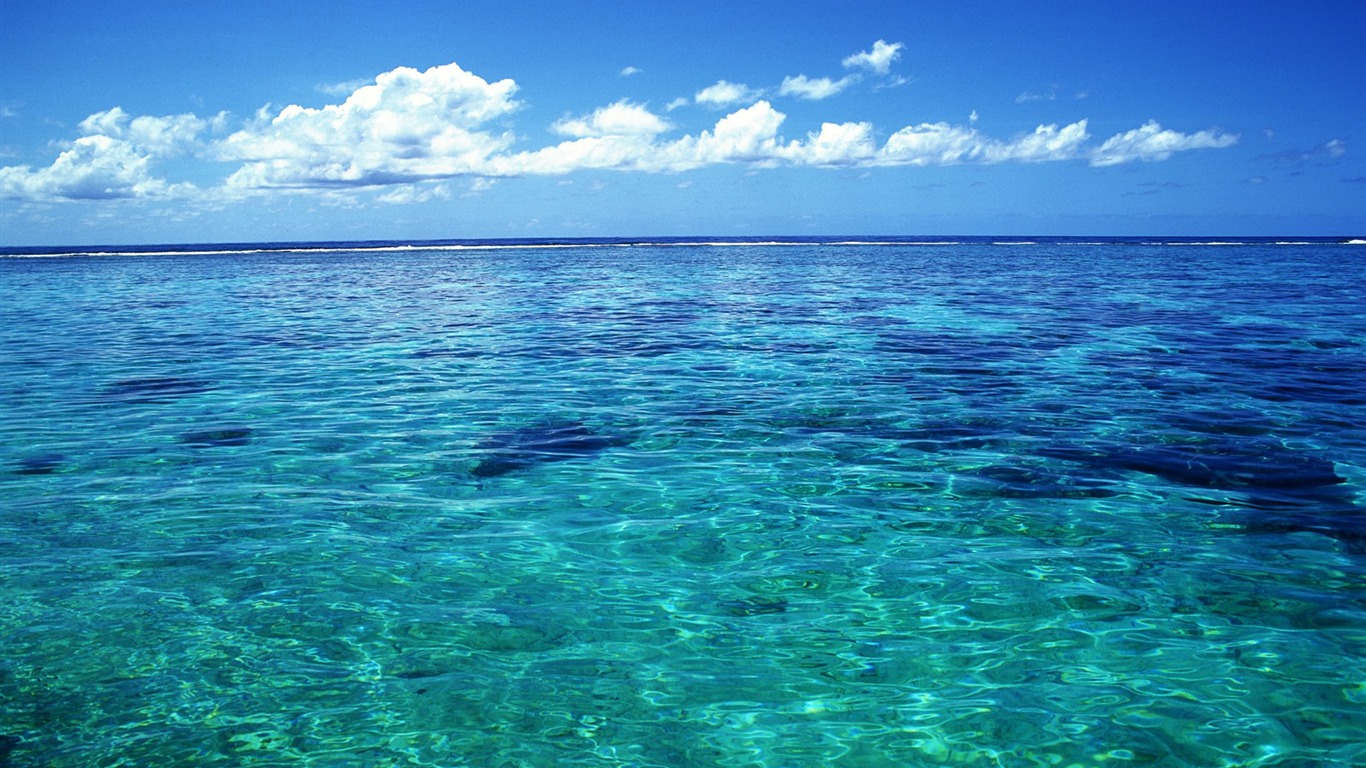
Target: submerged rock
154,389
1268,487
521,448
755,606
212,438
43,464
1228,465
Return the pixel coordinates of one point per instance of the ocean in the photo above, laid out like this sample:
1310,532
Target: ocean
685,502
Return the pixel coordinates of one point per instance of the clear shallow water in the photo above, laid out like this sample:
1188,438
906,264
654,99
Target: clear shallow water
781,505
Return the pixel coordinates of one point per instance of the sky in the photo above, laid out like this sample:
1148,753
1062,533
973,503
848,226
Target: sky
144,122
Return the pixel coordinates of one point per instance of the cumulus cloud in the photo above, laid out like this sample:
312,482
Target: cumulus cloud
628,71
1152,142
836,144
409,130
1045,143
166,136
112,159
945,144
724,94
620,119
407,126
878,60
92,168
750,136
745,136
815,88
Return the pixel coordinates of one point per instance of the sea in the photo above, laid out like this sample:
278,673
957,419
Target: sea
672,502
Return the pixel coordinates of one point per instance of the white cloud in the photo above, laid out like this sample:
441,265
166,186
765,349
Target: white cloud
842,144
166,136
408,130
616,152
805,87
628,71
749,136
878,60
112,159
620,119
416,193
93,168
341,89
1046,143
745,136
931,144
724,94
406,126
1152,142
945,144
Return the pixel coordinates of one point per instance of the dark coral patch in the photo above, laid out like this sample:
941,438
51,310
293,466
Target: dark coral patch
215,438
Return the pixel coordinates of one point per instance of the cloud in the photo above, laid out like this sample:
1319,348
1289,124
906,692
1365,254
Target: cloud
842,144
1046,143
341,89
620,136
878,60
931,144
1329,150
408,130
166,136
1151,142
628,71
805,87
620,119
92,168
112,159
1028,96
407,126
723,94
747,136
945,144
1049,95
415,193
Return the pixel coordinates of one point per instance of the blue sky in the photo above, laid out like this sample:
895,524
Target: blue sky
160,122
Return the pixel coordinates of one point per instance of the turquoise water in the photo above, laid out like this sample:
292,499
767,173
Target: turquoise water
1045,504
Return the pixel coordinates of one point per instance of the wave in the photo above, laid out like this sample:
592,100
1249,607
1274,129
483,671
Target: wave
317,248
